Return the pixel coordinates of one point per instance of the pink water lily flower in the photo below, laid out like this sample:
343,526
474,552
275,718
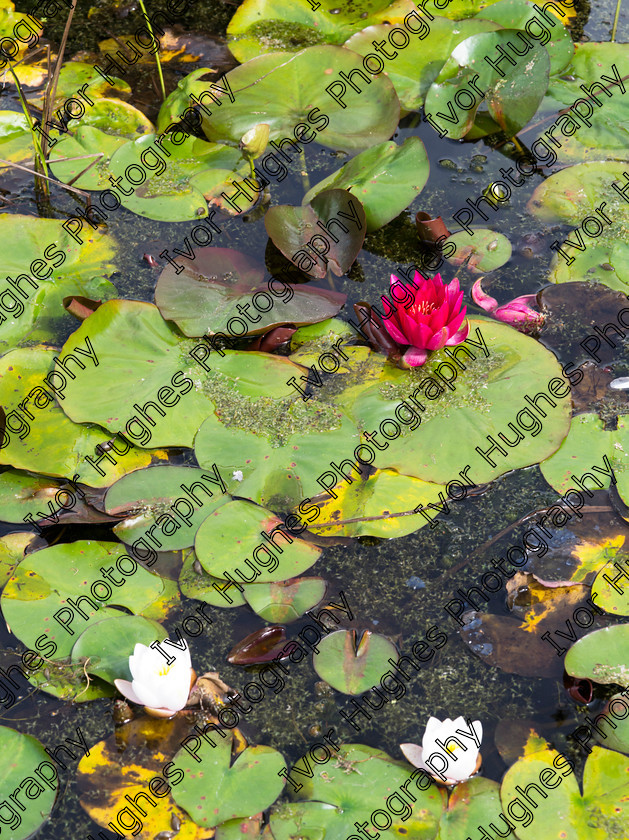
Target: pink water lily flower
517,312
434,319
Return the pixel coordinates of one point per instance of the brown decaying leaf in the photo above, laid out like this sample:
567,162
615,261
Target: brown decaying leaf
124,764
258,647
430,229
79,306
270,341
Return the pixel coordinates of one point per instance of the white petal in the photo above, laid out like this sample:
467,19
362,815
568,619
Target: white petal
148,695
413,754
126,689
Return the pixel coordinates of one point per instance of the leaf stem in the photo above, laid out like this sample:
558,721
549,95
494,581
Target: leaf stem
157,58
616,16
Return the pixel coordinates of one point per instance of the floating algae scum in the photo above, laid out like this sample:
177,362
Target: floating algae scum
228,437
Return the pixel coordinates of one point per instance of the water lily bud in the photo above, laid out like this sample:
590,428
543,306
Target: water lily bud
450,750
254,142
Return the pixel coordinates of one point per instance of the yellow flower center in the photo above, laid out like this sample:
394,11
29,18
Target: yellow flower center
426,308
166,669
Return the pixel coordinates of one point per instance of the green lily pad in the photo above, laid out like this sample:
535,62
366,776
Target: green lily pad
16,141
293,228
608,135
22,493
32,245
108,644
472,803
606,260
586,445
143,356
262,26
415,67
23,757
179,99
574,193
205,296
181,177
353,664
218,792
73,75
509,101
286,90
200,585
86,141
285,601
601,812
274,454
148,496
488,250
607,596
618,738
12,548
348,788
601,656
385,179
113,117
232,535
518,14
46,579
368,506
51,443
484,399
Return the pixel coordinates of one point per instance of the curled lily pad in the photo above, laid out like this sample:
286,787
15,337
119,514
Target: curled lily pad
35,600
520,14
353,664
231,541
607,137
173,500
182,175
296,231
105,646
286,600
178,100
25,757
601,656
486,252
511,99
259,646
223,792
261,26
286,91
73,74
414,68
220,283
385,179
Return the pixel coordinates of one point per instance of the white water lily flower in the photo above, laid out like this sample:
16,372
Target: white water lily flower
450,750
160,687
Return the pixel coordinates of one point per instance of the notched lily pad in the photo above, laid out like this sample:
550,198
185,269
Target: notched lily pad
353,664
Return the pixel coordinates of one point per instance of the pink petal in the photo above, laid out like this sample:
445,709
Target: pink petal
126,689
414,357
438,340
483,300
460,336
395,332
